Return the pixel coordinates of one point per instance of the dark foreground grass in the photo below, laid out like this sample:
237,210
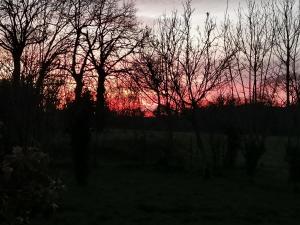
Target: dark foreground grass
128,193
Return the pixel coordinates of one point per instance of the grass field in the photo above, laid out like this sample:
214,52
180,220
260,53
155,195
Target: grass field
123,190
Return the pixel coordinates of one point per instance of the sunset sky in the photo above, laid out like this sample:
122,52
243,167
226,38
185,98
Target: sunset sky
148,10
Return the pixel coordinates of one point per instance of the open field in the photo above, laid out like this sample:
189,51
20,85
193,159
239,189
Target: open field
131,195
147,146
123,189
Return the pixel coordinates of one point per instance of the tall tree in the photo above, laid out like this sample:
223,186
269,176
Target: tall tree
21,24
112,37
147,73
79,13
203,64
287,14
43,61
256,36
155,66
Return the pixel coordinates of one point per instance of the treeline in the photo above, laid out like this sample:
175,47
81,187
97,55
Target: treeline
272,121
62,48
54,53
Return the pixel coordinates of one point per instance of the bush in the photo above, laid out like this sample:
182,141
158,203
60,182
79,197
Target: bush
233,145
216,144
26,188
293,159
253,151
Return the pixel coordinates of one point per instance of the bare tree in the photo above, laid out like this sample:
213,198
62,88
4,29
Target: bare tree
230,40
77,58
147,73
112,37
256,36
203,64
288,31
155,66
21,24
183,67
43,61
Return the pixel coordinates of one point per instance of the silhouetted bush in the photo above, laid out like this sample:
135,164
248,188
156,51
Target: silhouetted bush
293,159
81,115
254,148
233,145
217,154
20,111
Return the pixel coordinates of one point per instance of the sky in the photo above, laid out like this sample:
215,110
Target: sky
149,10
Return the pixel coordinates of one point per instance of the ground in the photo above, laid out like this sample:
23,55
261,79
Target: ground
130,192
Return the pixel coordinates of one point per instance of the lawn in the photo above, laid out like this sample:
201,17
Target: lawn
126,191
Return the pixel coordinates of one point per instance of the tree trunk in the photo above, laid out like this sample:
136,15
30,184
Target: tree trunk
16,75
78,89
16,120
168,150
41,78
205,170
288,81
255,83
101,104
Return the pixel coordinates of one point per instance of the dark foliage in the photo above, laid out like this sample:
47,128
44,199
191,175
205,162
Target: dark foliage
20,111
254,148
217,153
233,146
293,160
26,187
81,113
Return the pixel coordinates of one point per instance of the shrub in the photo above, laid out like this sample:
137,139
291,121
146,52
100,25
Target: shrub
293,160
216,144
26,188
233,145
253,151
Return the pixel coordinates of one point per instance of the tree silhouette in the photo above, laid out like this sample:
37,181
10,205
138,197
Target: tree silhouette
112,37
203,65
256,39
287,42
79,17
81,113
22,23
